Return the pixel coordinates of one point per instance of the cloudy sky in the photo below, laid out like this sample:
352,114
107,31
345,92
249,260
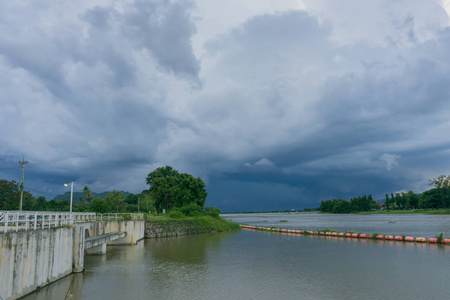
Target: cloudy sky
274,104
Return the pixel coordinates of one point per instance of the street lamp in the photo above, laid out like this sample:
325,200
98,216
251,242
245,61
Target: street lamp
71,198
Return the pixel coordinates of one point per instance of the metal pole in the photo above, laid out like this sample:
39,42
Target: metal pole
71,198
23,163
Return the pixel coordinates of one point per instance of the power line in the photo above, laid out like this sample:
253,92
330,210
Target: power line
10,168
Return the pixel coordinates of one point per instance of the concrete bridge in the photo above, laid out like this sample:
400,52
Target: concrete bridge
30,259
97,244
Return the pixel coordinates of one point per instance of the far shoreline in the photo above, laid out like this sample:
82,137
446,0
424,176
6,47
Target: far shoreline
443,211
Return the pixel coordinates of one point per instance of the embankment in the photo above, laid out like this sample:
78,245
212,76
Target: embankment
168,227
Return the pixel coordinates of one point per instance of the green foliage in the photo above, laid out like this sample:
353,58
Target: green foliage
115,201
40,204
9,195
171,189
88,195
283,220
212,211
176,214
191,210
357,204
440,237
202,224
99,206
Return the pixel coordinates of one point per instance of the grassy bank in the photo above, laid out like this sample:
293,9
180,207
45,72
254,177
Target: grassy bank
200,224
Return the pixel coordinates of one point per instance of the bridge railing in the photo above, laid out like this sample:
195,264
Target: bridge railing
120,216
33,220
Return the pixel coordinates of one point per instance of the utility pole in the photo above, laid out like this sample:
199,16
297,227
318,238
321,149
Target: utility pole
138,204
22,165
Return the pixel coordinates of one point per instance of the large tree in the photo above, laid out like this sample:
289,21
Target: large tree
9,195
170,189
442,183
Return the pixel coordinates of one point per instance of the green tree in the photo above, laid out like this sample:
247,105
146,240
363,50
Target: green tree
98,205
169,188
40,204
442,183
9,195
88,195
115,201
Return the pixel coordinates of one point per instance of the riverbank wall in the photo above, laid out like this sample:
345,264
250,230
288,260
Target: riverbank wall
352,235
186,226
31,259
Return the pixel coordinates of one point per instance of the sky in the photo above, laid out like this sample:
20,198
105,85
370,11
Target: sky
274,104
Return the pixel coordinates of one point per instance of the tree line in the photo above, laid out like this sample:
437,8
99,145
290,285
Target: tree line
357,204
435,198
110,202
169,190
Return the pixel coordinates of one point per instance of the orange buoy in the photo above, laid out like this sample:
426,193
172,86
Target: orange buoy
334,233
432,240
409,239
363,236
398,238
341,234
354,235
380,237
348,235
421,239
446,241
389,237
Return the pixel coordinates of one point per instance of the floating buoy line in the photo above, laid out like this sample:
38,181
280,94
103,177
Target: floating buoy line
398,238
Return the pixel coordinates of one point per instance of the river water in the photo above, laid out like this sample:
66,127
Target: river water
264,265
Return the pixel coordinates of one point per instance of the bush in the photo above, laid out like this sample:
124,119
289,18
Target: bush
191,210
440,238
176,215
212,211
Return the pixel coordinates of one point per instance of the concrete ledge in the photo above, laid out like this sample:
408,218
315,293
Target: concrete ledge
103,239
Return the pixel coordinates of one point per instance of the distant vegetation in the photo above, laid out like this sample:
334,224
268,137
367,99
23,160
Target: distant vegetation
435,198
178,193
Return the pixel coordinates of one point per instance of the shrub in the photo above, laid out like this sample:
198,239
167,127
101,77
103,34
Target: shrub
191,210
440,237
212,211
176,215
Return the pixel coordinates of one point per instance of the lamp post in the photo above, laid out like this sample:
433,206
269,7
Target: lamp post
71,198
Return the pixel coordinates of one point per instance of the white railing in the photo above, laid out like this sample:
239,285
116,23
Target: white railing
33,220
120,216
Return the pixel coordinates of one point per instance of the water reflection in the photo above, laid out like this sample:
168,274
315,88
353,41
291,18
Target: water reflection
262,265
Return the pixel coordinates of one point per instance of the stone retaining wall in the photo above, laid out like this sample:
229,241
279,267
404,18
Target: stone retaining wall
172,228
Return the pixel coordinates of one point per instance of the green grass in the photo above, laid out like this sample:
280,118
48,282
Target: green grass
201,224
283,220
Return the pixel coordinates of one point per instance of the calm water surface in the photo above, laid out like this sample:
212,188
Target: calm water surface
409,224
261,265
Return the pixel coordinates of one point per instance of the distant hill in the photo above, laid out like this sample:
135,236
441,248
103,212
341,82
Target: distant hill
78,195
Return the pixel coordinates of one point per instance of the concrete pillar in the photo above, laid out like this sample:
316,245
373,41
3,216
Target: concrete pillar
100,249
78,249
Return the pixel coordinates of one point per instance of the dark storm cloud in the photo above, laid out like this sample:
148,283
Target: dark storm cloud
279,111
